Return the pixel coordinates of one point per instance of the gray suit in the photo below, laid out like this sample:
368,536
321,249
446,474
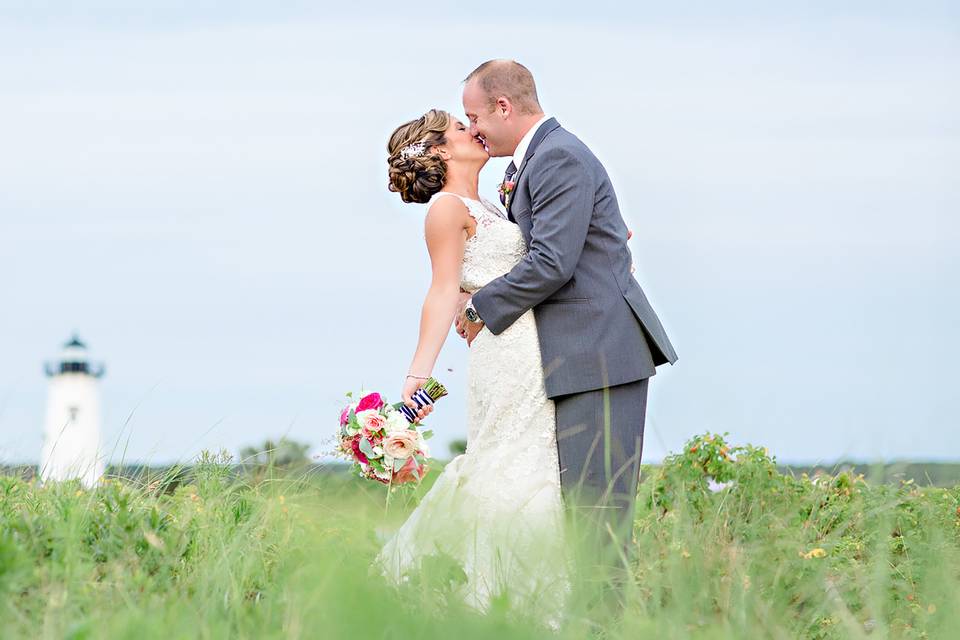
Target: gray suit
599,337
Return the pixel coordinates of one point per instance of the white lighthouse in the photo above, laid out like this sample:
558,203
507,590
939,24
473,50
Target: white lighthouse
71,441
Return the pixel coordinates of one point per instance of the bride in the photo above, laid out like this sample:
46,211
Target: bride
496,510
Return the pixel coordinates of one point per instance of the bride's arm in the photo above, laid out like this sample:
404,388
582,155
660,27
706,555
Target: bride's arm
446,233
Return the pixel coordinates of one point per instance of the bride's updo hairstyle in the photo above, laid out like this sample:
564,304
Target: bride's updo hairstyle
415,172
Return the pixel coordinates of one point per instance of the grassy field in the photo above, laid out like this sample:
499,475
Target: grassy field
940,474
285,555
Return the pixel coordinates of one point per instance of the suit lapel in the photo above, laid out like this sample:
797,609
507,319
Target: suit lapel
545,128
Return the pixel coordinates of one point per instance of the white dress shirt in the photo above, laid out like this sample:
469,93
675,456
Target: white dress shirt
524,143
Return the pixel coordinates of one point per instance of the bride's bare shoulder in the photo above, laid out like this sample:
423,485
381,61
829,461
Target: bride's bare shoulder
447,209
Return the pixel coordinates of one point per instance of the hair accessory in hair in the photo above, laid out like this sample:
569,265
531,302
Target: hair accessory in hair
413,150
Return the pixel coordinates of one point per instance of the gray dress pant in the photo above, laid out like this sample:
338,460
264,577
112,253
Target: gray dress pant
599,440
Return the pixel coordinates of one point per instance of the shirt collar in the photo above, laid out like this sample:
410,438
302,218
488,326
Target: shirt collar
524,143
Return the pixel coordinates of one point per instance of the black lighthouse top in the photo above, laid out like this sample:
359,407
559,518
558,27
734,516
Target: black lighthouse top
74,359
74,342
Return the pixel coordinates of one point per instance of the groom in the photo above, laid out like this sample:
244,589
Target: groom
599,337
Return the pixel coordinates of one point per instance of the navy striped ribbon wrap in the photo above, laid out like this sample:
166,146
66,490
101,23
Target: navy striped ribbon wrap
427,395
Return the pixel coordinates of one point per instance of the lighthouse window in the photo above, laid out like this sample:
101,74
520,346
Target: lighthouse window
73,413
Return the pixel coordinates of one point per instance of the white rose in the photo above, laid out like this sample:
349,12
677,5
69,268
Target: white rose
396,422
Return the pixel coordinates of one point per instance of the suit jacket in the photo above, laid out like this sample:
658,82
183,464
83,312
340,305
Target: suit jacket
595,325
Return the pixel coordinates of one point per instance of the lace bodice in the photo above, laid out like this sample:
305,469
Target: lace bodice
494,249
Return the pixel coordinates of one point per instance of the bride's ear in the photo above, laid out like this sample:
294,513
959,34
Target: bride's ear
443,153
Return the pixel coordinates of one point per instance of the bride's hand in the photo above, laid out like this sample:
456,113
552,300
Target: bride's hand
410,386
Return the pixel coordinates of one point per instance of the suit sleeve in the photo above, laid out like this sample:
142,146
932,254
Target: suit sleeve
563,192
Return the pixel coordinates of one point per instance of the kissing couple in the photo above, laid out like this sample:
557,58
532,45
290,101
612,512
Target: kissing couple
562,346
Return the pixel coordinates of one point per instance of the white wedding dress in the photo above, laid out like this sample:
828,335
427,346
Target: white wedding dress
496,510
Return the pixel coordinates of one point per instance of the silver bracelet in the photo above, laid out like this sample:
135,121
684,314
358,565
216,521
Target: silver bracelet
410,375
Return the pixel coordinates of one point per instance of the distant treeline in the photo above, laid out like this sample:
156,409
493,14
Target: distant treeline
939,474
169,477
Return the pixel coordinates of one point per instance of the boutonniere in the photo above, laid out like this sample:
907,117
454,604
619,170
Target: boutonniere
505,189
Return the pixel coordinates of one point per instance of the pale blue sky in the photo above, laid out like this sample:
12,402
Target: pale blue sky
200,192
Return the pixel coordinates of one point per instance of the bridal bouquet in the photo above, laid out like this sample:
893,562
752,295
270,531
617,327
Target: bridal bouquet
382,440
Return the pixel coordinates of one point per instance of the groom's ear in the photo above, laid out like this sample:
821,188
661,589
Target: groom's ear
503,107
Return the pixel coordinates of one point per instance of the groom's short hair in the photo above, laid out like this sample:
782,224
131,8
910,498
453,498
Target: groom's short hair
509,79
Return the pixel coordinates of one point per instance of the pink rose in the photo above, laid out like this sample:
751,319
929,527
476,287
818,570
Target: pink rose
410,472
370,401
401,444
371,421
345,417
359,455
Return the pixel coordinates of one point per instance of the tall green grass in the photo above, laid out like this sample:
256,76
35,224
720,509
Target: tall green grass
286,556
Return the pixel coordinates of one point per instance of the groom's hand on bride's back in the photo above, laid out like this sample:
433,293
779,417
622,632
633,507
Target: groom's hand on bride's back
472,331
458,316
465,328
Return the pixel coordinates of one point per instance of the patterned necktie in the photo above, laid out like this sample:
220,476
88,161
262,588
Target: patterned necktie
507,177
